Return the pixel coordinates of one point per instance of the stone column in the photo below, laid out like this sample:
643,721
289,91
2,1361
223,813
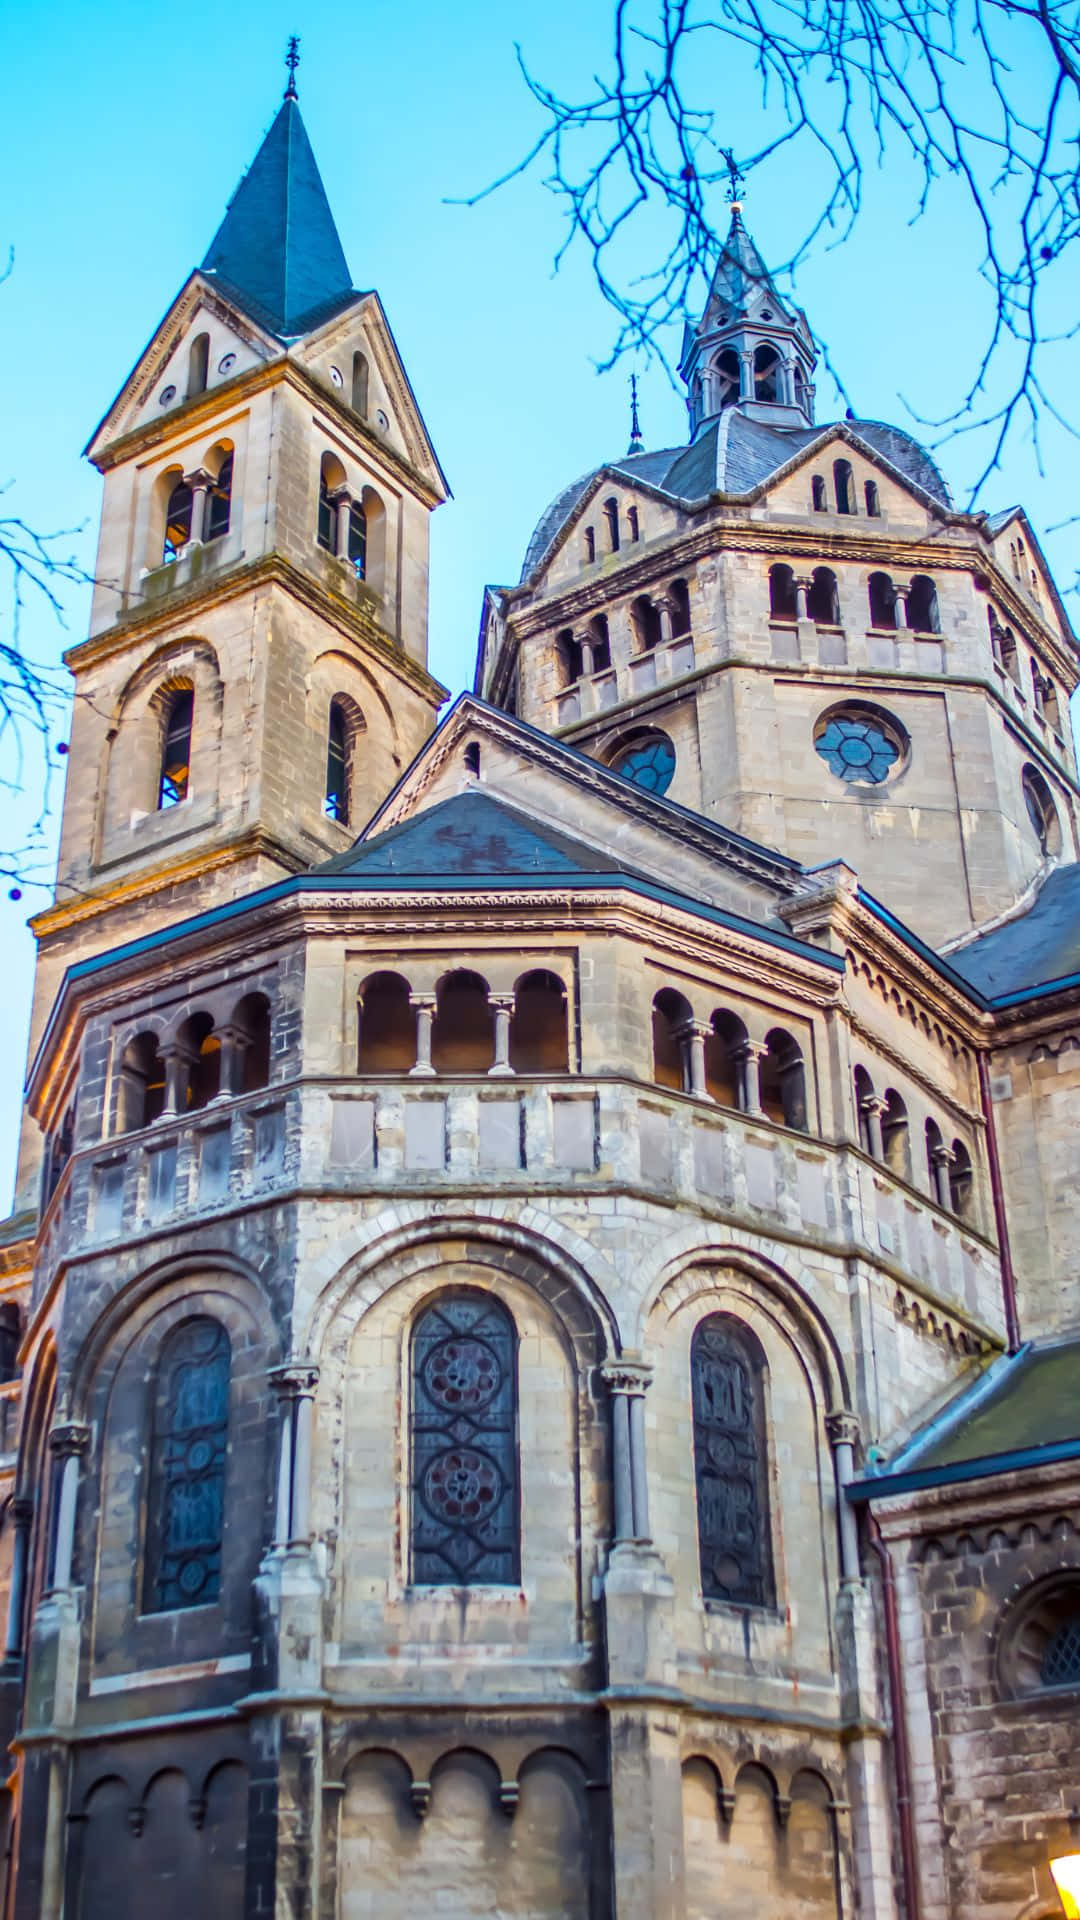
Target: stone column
627,1381
178,1062
67,1444
663,608
621,1472
802,593
341,502
749,1059
200,483
843,1431
425,1014
233,1043
295,1386
941,1160
692,1037
22,1514
900,598
586,645
503,1003
746,374
873,1108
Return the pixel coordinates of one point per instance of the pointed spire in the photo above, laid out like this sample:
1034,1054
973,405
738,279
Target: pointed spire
637,444
277,248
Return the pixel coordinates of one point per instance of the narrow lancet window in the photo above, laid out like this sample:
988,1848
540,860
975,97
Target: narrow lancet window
336,805
186,1507
176,751
727,1369
465,1526
217,517
177,521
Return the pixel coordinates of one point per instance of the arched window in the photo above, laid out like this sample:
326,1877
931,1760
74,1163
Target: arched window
923,605
465,1527
463,1037
198,364
725,1060
645,623
1010,658
1041,810
178,510
782,602
202,1048
647,760
882,603
632,519
767,374
864,1094
220,501
251,1023
186,1503
727,1371
360,384
58,1152
801,395
590,545
818,494
823,599
873,504
670,1015
175,775
387,1025
569,652
336,802
538,1039
331,480
611,515
896,1140
600,643
10,1336
961,1180
844,487
935,1160
141,1092
374,555
783,1081
726,379
1050,705
679,600
358,539
1040,1648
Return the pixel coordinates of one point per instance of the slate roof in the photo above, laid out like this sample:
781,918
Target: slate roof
1039,946
470,836
277,250
732,454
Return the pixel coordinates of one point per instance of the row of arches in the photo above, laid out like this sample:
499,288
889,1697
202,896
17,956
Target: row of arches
718,1061
352,526
199,1062
462,1028
760,373
196,507
885,1134
652,618
613,529
1044,693
845,497
817,598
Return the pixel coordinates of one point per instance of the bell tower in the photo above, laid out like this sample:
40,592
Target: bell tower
255,675
751,348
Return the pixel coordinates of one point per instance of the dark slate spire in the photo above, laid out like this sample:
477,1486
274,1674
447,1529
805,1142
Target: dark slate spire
277,248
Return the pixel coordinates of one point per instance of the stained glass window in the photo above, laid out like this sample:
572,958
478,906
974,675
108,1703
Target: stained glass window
856,746
1061,1659
726,1366
186,1507
464,1444
650,764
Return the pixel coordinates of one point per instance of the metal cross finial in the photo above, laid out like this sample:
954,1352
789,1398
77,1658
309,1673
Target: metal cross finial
292,61
637,444
735,180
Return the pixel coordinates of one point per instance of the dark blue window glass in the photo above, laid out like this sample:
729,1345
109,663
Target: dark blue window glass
857,747
735,1547
187,1471
464,1444
650,765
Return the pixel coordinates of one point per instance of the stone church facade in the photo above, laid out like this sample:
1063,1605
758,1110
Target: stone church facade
540,1323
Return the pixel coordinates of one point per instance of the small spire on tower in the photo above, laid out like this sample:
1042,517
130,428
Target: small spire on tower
637,444
292,61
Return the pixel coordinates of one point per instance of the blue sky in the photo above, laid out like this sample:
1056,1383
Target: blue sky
125,131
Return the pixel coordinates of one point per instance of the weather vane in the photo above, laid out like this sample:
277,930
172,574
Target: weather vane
292,61
736,184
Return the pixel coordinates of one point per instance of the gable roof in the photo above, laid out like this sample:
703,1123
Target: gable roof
277,249
1026,955
471,836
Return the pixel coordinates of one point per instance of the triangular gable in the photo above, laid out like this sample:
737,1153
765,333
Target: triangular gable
472,834
365,327
1006,530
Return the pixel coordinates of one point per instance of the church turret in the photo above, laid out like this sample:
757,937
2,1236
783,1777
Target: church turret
751,348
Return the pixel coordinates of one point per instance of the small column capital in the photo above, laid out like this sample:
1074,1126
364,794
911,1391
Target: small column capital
842,1428
627,1374
750,1050
694,1030
502,1002
872,1103
198,480
294,1381
69,1440
339,497
942,1156
425,1002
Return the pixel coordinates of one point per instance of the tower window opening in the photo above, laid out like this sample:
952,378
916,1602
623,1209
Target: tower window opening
882,603
961,1181
220,507
844,485
725,1059
336,802
177,522
783,604
251,1022
202,1049
864,1108
823,599
387,1039
358,539
632,519
198,365
463,1036
726,373
671,1016
141,1092
895,1136
801,395
611,515
331,480
873,504
818,494
176,750
923,616
645,622
600,643
538,1035
360,384
472,757
590,545
783,1081
767,374
1010,658
569,654
1050,705
679,601
1041,811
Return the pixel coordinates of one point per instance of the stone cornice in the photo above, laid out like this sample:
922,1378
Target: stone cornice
142,885
272,569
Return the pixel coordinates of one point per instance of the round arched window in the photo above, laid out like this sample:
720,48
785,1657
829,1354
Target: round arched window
1040,1651
648,762
859,744
1042,812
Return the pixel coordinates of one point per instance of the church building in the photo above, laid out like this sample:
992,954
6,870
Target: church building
540,1329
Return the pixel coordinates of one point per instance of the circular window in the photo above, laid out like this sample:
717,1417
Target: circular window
1040,1651
382,422
859,745
226,363
1042,812
168,395
649,763
337,376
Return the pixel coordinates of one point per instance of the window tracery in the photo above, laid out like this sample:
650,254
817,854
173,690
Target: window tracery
464,1475
727,1367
